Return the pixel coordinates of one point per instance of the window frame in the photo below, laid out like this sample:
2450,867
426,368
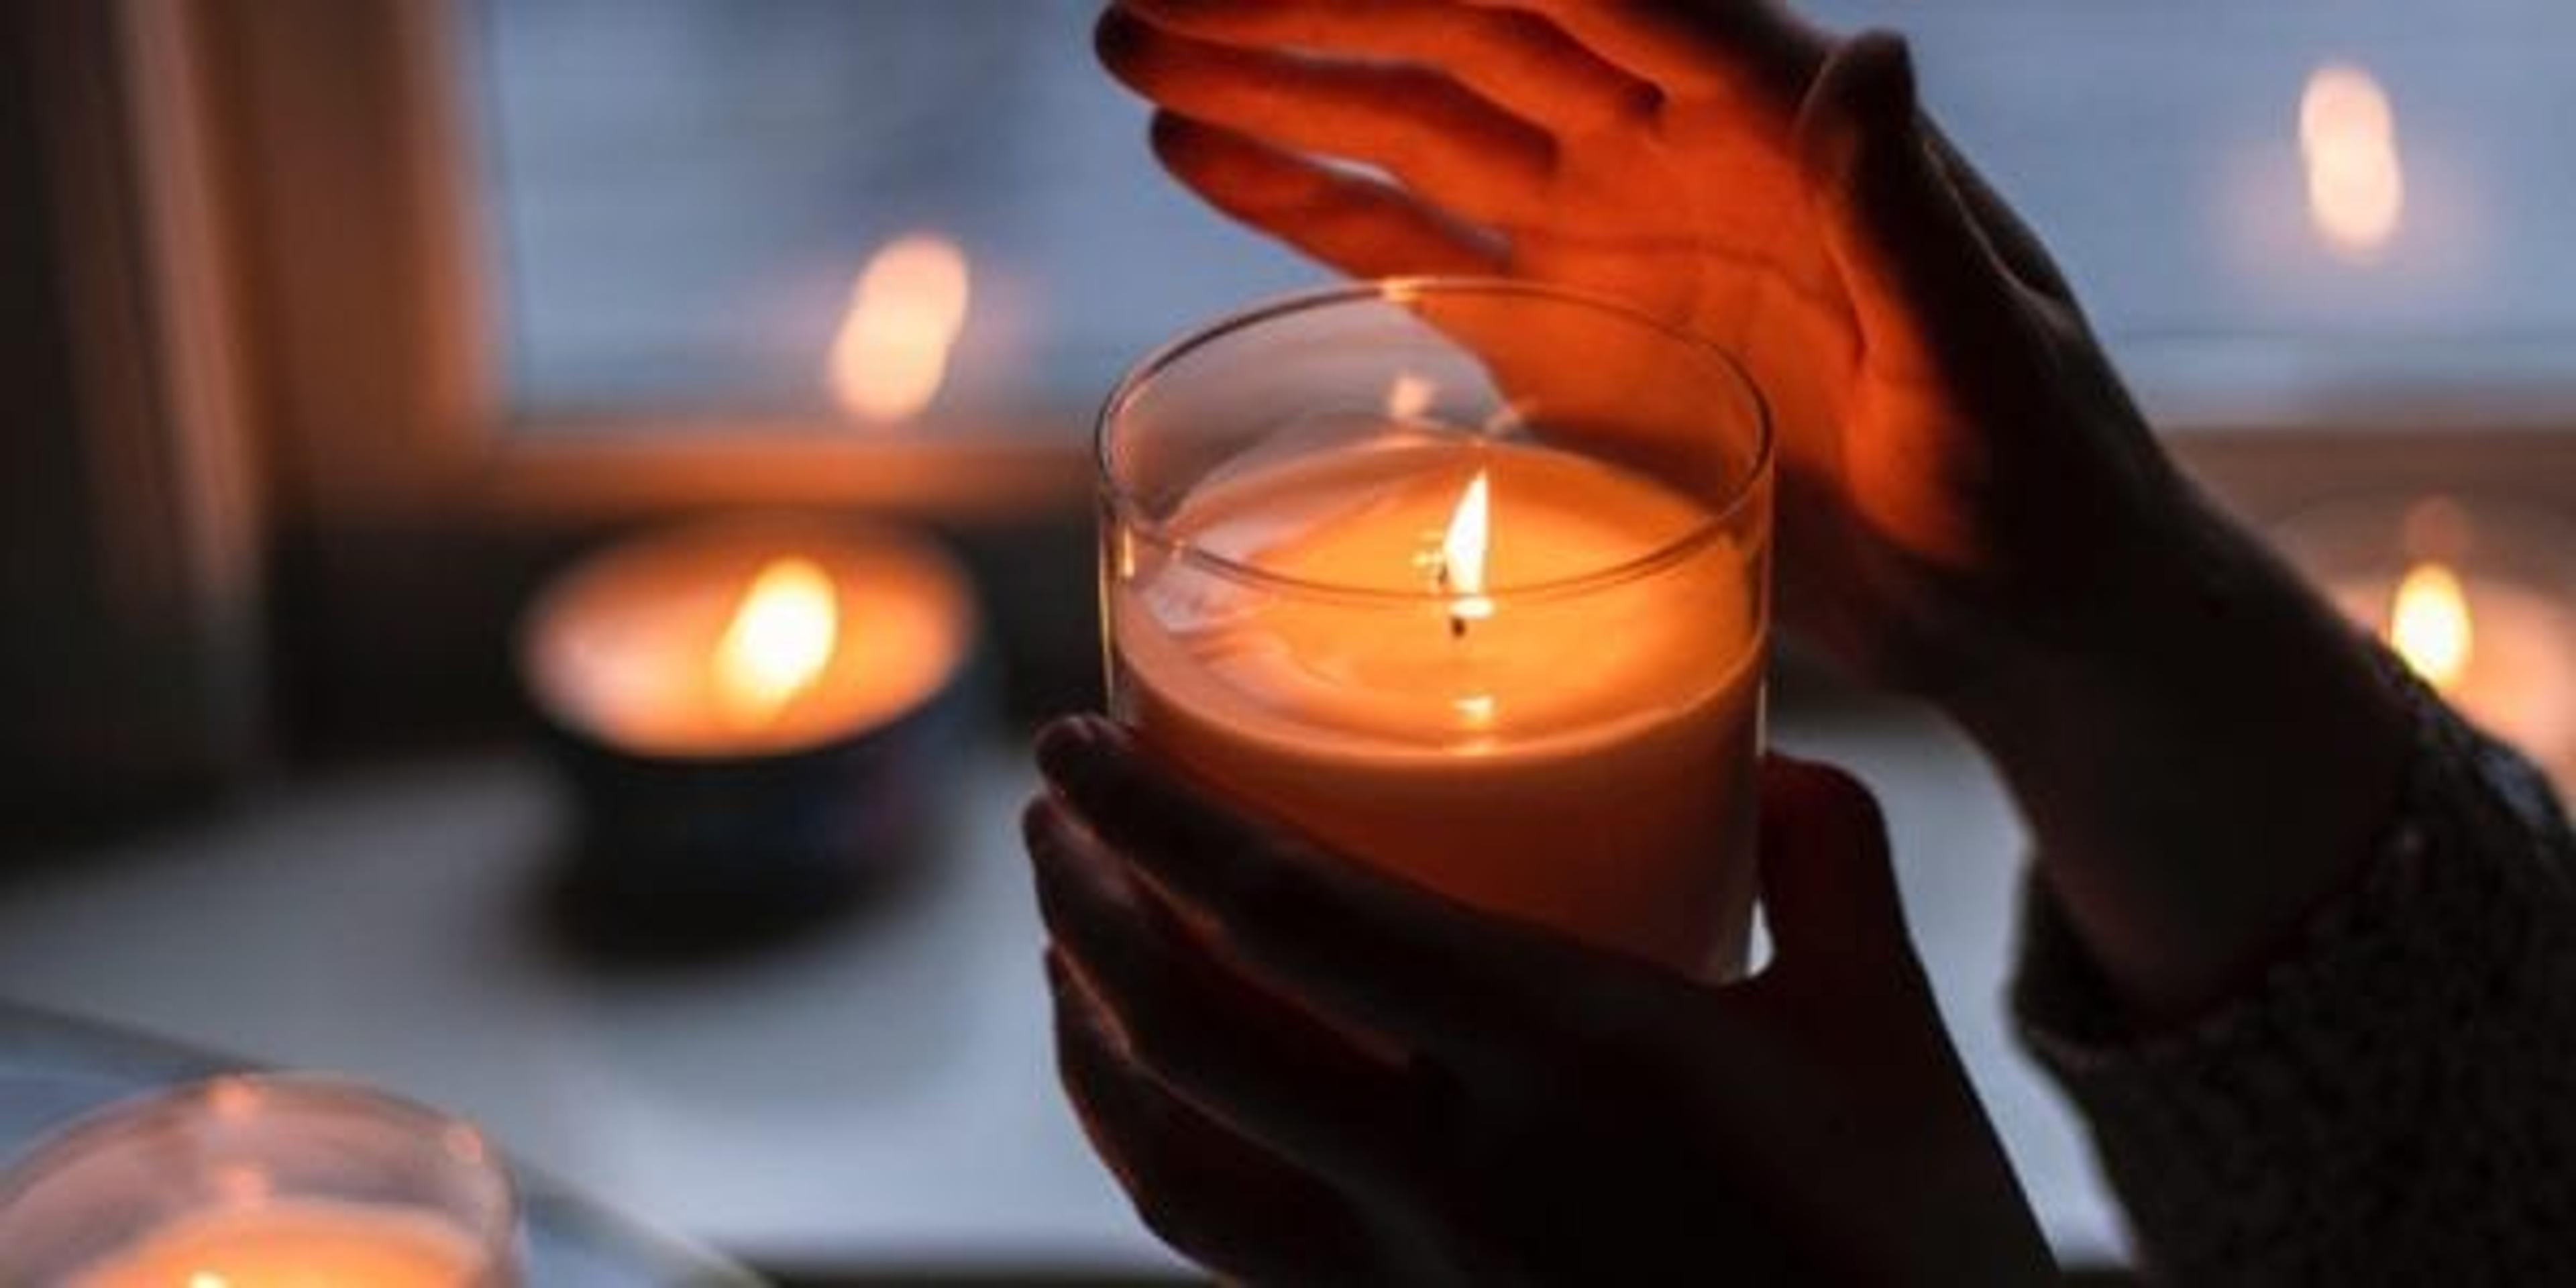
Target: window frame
359,164
338,172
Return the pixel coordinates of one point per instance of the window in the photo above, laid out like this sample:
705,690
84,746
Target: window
2257,202
515,269
685,199
2332,199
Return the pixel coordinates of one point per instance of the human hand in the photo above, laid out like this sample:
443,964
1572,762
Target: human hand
1964,481
1306,1071
1971,507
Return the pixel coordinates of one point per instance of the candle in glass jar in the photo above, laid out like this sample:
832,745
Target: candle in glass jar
260,1181
2472,592
1522,677
306,1244
2502,652
760,719
741,640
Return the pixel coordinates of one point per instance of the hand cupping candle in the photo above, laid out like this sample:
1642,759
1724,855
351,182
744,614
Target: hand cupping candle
1465,579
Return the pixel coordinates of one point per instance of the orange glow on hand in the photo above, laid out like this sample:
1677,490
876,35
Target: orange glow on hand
778,642
892,350
2348,138
2429,625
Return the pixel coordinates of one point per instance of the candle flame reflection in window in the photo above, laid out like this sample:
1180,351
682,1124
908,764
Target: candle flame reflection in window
2428,625
1462,557
2348,139
1409,396
892,350
778,642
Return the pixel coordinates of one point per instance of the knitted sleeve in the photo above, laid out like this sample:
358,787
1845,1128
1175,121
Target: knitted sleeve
2394,1101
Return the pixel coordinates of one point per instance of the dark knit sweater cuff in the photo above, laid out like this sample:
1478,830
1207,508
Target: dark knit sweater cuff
2395,1096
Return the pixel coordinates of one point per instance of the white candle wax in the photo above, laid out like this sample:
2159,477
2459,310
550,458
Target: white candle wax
1577,747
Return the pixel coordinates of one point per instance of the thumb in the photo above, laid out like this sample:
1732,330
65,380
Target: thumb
1931,296
1828,890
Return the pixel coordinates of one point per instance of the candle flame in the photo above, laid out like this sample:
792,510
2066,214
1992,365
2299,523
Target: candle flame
1462,557
892,350
2348,137
2429,625
208,1279
778,642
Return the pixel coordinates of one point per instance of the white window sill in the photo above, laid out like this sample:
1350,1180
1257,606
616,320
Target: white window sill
879,1097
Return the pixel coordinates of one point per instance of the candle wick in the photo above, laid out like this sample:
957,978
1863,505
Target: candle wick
1440,578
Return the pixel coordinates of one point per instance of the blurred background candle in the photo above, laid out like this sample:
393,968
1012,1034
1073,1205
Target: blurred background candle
2478,595
1360,582
753,713
294,1245
260,1182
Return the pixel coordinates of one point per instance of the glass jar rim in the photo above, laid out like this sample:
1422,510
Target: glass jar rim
1716,519
66,1147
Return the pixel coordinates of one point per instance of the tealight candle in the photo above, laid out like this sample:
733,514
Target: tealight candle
753,712
1358,587
294,1245
260,1182
2477,596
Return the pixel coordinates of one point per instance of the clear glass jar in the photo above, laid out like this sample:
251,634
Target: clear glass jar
1467,578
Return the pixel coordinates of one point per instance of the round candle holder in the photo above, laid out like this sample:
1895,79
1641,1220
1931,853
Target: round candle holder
2477,594
1465,578
256,1179
703,827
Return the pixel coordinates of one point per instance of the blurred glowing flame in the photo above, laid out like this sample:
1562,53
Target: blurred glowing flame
1476,710
778,642
2429,625
905,312
2348,136
1409,396
1462,557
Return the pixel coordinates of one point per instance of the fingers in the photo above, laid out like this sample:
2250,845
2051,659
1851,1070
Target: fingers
1516,60
1456,149
1359,226
1212,1196
1749,49
1929,293
1247,1059
1364,949
1828,889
